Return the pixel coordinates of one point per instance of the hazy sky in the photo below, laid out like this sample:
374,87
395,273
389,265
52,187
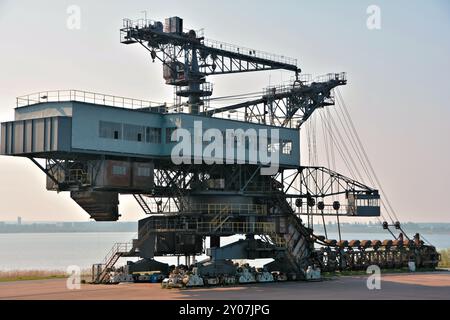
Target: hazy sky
398,90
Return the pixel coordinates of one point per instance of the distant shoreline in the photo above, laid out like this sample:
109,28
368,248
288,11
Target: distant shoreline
68,227
132,227
62,232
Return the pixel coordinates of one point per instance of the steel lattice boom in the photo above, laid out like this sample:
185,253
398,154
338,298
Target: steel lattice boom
98,146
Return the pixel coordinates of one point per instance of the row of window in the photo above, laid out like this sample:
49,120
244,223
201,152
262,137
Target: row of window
130,132
287,147
118,170
271,147
367,202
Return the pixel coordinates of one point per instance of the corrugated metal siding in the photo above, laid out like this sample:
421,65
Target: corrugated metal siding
36,136
38,139
29,137
18,143
3,138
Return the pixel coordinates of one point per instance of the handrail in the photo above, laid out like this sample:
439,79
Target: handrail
248,52
341,76
228,208
117,248
78,176
129,24
142,23
88,97
109,260
237,227
224,225
122,102
259,119
306,80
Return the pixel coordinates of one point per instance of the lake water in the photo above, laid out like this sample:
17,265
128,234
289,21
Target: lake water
57,251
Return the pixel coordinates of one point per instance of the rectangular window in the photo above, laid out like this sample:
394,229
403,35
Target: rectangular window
287,147
118,131
152,135
132,132
110,130
119,170
273,147
169,132
144,172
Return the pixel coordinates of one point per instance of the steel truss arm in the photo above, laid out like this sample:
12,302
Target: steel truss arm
320,182
73,173
214,57
48,172
281,105
216,61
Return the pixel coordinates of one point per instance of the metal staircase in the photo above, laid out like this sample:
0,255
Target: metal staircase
298,244
100,271
142,203
275,239
217,223
128,249
297,240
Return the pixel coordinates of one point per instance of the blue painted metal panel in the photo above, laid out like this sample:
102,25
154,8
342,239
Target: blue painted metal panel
186,121
85,129
34,136
86,122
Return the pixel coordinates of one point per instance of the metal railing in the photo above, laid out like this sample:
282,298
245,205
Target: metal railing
305,79
129,24
243,117
278,89
327,211
206,88
342,76
138,23
117,248
100,270
237,227
214,226
150,23
277,240
88,97
249,52
228,208
78,176
127,103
